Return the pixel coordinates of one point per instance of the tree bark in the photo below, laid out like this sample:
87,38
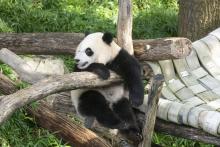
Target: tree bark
124,26
25,72
151,109
41,43
162,49
6,85
66,43
198,17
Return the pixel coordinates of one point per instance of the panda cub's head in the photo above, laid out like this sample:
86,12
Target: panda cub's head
96,48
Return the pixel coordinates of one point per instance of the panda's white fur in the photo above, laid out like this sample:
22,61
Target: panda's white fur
103,52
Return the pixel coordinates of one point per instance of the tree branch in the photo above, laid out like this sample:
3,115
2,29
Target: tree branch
24,70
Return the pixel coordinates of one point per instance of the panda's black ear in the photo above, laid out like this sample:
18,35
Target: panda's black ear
107,38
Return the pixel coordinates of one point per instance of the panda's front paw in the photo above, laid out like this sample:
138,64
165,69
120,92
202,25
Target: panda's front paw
104,74
134,135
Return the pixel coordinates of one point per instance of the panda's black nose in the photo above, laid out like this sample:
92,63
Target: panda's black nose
77,60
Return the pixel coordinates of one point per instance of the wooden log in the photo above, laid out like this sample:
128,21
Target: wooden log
6,85
65,43
41,43
182,131
124,25
73,133
162,49
151,109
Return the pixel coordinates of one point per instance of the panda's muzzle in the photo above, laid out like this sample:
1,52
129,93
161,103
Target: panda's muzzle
82,65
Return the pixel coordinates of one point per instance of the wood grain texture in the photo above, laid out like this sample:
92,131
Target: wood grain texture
151,109
124,25
41,43
162,49
198,17
6,85
25,72
66,43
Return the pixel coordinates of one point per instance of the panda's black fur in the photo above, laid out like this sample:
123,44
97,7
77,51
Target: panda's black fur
118,115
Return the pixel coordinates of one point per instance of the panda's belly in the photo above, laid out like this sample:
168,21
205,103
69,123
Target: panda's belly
113,93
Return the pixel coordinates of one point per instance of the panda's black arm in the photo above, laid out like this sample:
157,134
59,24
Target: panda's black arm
100,69
129,69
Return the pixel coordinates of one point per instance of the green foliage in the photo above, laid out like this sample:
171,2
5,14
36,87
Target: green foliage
4,27
170,141
155,23
68,61
21,130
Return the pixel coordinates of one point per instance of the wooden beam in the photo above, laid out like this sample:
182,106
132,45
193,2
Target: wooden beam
66,43
162,48
124,25
41,43
151,109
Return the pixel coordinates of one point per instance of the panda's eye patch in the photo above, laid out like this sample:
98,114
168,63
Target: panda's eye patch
89,52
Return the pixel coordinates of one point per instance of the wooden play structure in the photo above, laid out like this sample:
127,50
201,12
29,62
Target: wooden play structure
184,89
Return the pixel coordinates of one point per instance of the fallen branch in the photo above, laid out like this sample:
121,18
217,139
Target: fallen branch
66,43
25,72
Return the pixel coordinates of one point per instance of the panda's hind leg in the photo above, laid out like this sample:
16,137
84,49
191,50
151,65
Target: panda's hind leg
93,104
125,112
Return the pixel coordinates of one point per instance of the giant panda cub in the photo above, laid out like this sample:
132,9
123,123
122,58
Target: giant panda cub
110,106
